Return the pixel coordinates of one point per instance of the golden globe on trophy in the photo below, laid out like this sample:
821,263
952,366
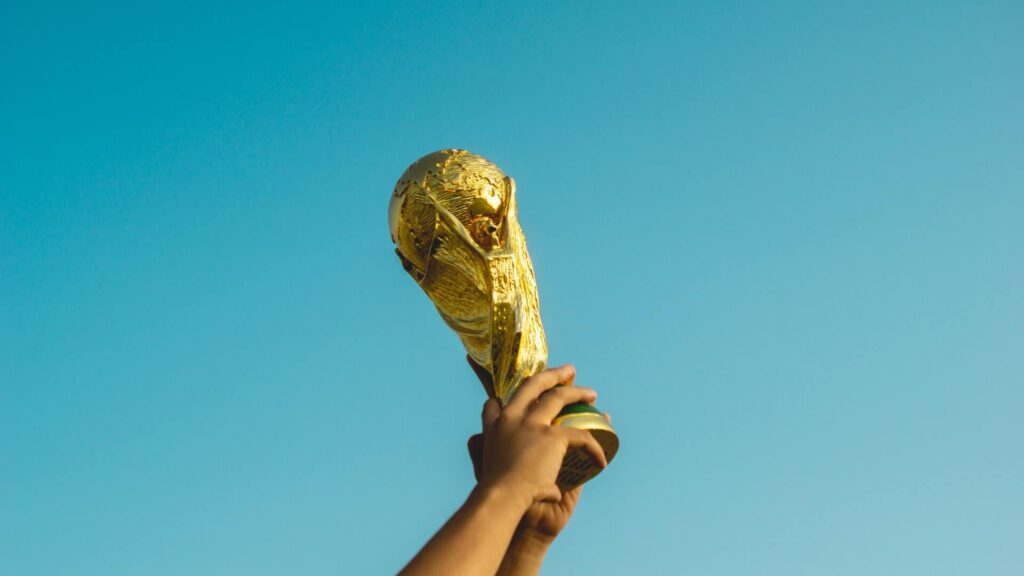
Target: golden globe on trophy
455,226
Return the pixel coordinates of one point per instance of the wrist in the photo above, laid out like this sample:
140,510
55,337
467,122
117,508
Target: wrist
525,554
534,539
529,542
506,492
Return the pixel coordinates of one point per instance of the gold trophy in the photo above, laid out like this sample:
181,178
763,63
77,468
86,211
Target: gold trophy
454,222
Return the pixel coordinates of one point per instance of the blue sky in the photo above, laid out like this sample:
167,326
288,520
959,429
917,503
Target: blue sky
782,240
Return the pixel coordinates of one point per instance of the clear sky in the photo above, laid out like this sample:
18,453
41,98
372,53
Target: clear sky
783,240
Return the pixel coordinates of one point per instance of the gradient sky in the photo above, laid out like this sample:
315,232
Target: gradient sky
783,240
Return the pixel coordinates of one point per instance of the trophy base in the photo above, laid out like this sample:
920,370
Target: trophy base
577,467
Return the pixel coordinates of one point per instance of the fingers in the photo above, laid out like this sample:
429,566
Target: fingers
475,444
492,409
550,494
552,402
535,385
585,441
572,496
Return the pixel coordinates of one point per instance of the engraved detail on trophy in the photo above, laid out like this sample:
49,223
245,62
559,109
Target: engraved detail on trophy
455,225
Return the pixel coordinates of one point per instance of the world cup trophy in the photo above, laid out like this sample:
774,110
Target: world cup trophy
455,226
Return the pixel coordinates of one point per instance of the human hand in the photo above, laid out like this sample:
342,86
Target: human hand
519,449
537,530
521,454
543,521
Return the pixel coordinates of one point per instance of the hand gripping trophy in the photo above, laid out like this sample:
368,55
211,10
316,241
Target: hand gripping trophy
454,222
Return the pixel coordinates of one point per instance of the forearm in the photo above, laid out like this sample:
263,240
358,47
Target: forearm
476,537
525,555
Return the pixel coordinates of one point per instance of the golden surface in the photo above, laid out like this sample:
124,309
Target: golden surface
454,222
577,467
455,226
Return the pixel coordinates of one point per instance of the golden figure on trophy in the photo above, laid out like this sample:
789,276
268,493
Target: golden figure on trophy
455,226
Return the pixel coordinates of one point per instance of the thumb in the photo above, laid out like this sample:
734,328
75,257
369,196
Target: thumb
549,494
475,444
492,409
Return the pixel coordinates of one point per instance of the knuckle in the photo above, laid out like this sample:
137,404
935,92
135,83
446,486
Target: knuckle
550,396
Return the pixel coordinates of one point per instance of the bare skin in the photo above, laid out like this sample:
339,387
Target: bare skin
521,453
543,521
537,529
